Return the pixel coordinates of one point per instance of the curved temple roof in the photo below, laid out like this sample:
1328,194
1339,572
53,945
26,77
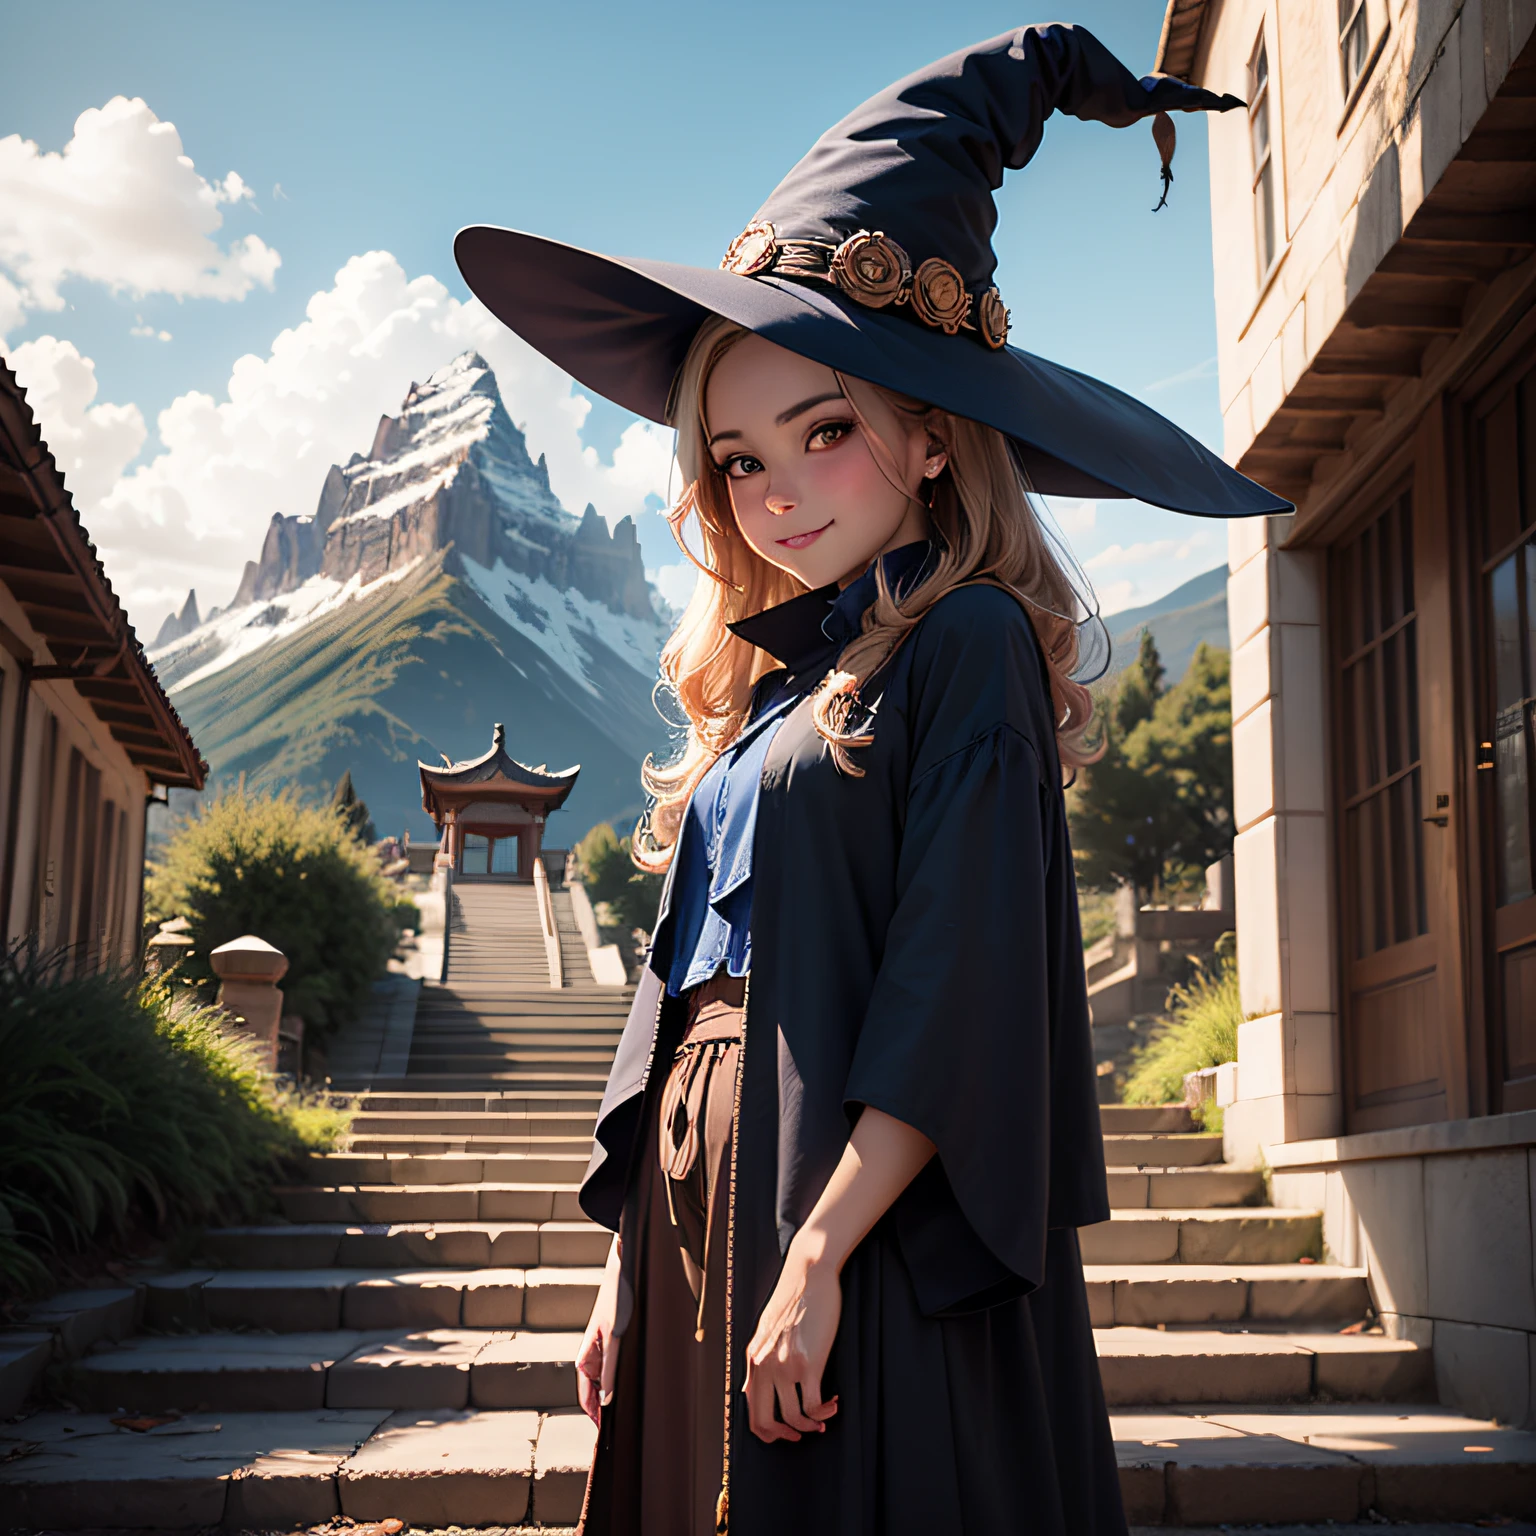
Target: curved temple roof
537,785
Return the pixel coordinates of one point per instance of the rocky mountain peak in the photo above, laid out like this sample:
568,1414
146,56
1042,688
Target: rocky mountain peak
450,472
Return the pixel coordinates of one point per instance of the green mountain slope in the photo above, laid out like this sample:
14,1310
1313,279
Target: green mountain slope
1193,612
417,668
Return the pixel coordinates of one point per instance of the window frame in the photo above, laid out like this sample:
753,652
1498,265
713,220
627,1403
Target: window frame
1359,16
1265,193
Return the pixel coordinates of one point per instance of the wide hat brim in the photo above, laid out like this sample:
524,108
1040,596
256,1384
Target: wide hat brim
622,326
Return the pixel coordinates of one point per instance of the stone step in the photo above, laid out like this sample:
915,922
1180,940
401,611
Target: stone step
1321,1463
284,1471
1146,1367
314,1300
519,1146
586,1104
344,1368
1140,1119
513,1127
434,1468
1234,1235
1230,1235
1202,1294
1184,1188
457,1054
1160,1149
562,1084
1141,1189
553,1169
434,1203
485,1368
471,1244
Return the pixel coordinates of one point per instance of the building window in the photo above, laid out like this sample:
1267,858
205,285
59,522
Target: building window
1263,156
1354,42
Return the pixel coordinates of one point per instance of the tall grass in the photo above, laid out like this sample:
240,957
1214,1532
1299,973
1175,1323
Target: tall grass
1200,1031
126,1107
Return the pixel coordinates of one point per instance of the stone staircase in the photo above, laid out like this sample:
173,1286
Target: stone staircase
402,1343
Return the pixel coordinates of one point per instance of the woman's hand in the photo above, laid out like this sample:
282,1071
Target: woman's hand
789,1351
598,1358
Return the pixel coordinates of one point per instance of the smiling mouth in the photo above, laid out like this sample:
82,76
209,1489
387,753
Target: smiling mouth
804,540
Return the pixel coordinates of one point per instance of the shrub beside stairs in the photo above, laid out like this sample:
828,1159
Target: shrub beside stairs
401,1345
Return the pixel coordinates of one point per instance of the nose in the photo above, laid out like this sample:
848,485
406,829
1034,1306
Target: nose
778,502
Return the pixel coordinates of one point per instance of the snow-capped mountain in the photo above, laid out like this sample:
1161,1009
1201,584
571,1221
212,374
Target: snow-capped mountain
446,527
450,470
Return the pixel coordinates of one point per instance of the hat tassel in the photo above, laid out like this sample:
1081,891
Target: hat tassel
1165,136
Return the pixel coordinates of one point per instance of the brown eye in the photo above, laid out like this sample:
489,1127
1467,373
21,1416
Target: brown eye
828,433
741,466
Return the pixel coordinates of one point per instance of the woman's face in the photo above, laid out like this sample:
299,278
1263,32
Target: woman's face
809,494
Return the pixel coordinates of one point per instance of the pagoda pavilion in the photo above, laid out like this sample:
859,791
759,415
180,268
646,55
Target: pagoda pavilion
490,811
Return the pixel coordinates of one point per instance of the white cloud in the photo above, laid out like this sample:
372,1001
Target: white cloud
1115,597
120,205
92,444
196,511
1114,556
675,583
1204,369
141,329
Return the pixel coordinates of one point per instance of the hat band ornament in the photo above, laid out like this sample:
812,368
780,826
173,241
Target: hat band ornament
873,270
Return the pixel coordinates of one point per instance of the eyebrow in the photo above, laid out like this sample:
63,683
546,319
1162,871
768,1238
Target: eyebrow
785,417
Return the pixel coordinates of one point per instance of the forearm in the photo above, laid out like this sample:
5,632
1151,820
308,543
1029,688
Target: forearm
882,1157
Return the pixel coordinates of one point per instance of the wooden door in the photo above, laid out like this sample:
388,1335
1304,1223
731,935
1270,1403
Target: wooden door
1394,932
1504,465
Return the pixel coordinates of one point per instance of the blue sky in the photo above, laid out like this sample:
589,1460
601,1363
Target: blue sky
654,130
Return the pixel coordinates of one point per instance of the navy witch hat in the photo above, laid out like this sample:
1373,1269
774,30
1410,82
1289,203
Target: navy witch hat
874,257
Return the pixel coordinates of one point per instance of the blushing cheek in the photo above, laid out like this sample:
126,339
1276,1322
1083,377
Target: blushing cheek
850,487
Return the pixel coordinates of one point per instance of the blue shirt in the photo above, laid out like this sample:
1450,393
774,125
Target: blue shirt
709,917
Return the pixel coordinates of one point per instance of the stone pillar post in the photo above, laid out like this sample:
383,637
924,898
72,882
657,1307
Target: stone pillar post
1288,1077
249,970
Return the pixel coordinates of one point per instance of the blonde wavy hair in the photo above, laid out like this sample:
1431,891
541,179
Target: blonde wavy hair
987,532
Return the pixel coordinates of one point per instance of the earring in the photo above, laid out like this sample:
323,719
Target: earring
935,466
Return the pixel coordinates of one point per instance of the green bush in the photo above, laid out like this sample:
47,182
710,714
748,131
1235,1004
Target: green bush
124,1106
1201,1031
604,866
293,875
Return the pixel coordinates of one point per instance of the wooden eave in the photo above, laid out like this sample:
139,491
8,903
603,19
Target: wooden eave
1180,40
1475,228
50,567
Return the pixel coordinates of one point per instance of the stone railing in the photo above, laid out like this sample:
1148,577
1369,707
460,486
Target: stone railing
249,970
547,923
605,960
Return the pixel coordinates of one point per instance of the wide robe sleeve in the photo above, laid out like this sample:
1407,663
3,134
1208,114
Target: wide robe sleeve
958,1037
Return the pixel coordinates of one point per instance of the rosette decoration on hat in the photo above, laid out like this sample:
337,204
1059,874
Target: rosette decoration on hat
874,257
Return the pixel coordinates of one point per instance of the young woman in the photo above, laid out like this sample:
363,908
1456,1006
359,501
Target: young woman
851,1128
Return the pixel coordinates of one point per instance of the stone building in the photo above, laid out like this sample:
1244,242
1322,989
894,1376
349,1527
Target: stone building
87,734
1374,223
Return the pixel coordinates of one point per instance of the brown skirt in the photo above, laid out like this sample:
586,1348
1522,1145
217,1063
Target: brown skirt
666,1419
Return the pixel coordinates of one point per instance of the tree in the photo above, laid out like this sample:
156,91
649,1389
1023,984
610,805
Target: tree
609,874
352,809
293,875
1157,806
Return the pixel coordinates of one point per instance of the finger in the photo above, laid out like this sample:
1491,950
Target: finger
586,1396
811,1404
827,1410
789,1406
610,1370
760,1415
